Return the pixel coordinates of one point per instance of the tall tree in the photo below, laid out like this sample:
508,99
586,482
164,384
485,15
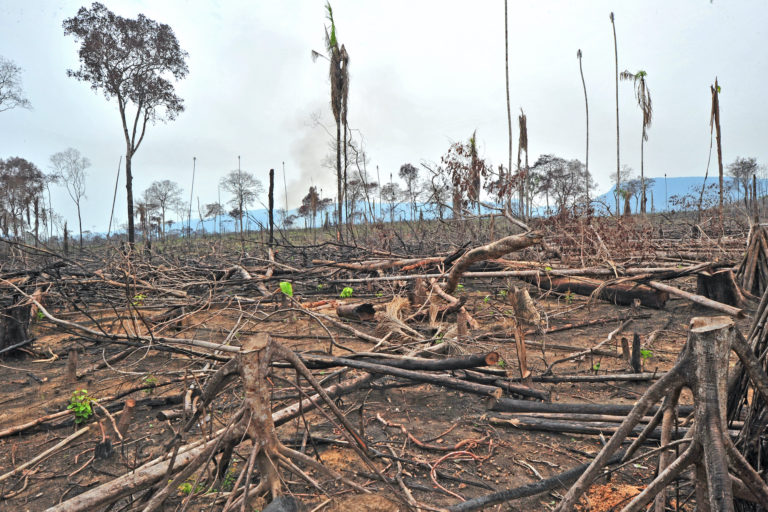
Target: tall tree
586,107
11,92
509,108
714,118
339,78
742,170
244,188
410,175
71,166
618,159
166,194
643,96
132,60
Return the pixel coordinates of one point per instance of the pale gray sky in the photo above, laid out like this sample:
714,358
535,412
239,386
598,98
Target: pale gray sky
423,74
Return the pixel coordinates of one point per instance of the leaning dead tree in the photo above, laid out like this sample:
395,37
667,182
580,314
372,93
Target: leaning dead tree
721,472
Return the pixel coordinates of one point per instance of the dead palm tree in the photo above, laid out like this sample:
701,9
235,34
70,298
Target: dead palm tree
586,106
522,145
339,77
715,118
643,96
618,160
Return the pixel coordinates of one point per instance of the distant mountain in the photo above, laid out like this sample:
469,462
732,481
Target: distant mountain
667,194
663,195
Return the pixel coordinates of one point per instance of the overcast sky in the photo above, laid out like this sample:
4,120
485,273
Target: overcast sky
423,74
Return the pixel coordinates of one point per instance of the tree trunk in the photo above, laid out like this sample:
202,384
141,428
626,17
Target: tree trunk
716,115
340,196
129,192
80,225
272,208
618,160
509,110
642,177
586,107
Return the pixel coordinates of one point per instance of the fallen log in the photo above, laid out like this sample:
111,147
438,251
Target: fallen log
322,361
510,387
360,312
698,299
512,405
623,294
542,486
490,251
439,380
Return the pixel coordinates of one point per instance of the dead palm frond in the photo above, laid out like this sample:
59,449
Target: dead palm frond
643,96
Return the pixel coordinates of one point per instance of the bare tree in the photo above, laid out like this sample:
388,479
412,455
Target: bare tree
587,185
70,165
131,60
618,160
11,92
166,194
244,188
509,108
643,96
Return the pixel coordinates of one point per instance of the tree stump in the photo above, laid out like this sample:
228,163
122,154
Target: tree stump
720,470
14,319
268,455
720,286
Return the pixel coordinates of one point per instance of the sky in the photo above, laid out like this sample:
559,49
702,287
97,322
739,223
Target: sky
422,75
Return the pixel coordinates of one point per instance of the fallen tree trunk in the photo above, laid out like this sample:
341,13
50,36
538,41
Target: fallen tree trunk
490,251
698,299
623,294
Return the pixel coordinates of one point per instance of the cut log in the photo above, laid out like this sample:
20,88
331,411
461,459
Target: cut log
623,294
360,312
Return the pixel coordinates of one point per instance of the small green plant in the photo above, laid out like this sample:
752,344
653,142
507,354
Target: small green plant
40,315
320,287
150,382
80,404
596,367
569,295
502,363
503,293
346,292
138,299
459,288
286,288
487,299
229,478
646,354
186,488
379,294
547,269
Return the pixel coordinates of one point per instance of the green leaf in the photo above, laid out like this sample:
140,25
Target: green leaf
286,288
346,292
547,269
